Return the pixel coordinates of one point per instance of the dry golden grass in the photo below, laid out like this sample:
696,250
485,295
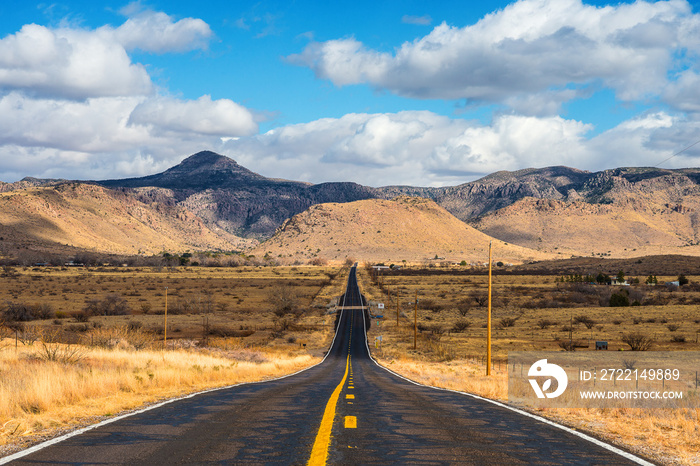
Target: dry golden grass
200,300
116,363
38,397
447,361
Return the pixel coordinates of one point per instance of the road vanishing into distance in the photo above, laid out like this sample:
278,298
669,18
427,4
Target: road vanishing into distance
346,410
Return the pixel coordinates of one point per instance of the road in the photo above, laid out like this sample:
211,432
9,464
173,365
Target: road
346,410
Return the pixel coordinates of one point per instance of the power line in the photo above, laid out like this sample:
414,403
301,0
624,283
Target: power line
678,153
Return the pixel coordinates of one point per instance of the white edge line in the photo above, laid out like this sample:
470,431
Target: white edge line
54,441
588,438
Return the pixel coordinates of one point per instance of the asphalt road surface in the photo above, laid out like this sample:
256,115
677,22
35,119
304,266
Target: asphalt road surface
346,410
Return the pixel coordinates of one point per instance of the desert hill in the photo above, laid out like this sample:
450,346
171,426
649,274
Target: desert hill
634,216
228,196
94,218
621,213
405,228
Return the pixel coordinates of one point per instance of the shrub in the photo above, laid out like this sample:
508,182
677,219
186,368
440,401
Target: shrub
678,339
460,326
18,312
672,327
544,323
585,320
110,305
638,341
619,300
51,349
507,322
283,299
567,345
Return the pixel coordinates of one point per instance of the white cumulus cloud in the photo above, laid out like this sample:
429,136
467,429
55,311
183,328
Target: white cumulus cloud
530,46
204,116
69,63
425,149
153,31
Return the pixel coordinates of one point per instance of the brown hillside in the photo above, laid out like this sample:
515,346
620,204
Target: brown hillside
102,220
406,228
634,224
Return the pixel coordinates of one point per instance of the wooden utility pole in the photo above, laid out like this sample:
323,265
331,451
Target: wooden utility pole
488,322
165,323
415,321
397,308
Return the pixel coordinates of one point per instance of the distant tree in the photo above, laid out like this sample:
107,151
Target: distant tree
603,279
682,280
651,280
620,276
620,299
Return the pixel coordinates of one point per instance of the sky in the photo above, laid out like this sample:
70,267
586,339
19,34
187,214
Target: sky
379,93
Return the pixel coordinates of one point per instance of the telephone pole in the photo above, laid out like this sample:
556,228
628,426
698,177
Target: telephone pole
165,323
397,307
488,322
415,321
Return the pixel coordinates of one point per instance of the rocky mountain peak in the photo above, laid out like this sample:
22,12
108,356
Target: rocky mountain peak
207,161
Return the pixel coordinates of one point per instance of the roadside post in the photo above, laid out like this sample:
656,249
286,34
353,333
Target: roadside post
397,308
165,323
415,321
488,322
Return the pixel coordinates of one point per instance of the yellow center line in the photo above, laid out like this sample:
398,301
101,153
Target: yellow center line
319,452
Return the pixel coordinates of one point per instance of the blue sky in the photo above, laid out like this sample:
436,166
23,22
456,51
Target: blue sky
374,92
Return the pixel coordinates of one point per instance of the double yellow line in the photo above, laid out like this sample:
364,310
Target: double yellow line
319,452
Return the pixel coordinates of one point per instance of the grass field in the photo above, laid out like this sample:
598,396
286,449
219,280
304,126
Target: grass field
72,365
202,303
449,355
227,325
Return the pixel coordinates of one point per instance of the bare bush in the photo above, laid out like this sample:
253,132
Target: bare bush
480,299
585,320
430,305
638,341
111,305
129,337
283,300
460,326
507,322
53,350
672,327
567,345
544,323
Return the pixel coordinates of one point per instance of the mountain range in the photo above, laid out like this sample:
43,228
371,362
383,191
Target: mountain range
554,210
